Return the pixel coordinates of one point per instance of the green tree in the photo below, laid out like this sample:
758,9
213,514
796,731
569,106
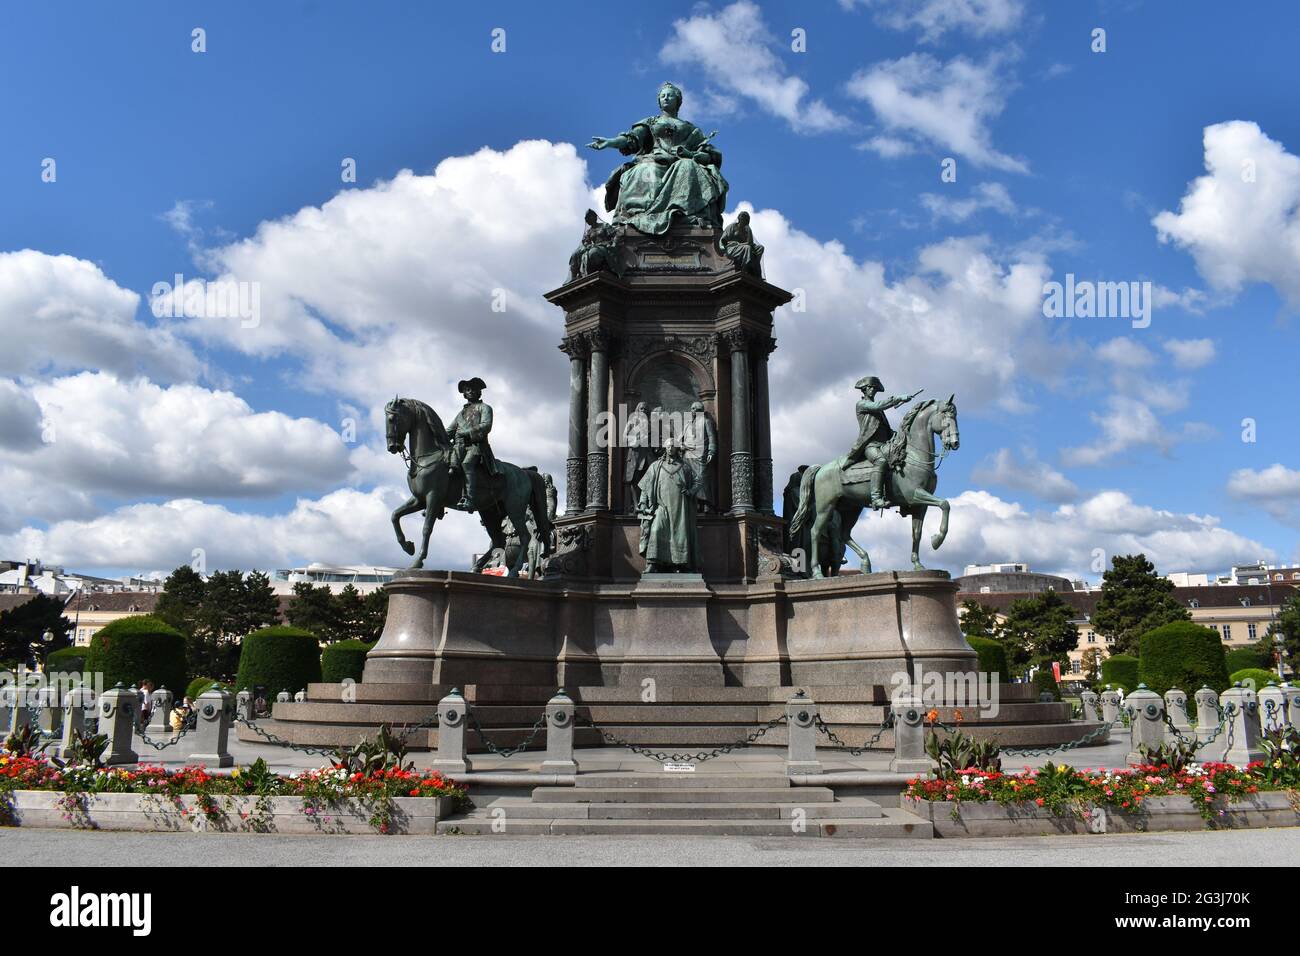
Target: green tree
181,598
1287,626
349,614
1039,630
261,608
312,608
373,615
978,620
1091,663
1134,600
24,625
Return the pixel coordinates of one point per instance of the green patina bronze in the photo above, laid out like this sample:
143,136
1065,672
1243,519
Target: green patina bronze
667,508
675,177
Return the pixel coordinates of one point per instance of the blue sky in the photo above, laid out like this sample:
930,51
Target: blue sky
226,163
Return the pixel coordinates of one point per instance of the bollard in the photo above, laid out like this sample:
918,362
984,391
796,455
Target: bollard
559,735
215,710
1241,706
49,713
1207,714
74,717
1109,706
1090,704
1292,697
160,713
909,737
1176,708
21,711
244,705
282,697
1146,722
452,711
8,695
1272,707
801,727
300,697
119,711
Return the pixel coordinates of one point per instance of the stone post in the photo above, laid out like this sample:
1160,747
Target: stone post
1272,707
300,697
742,460
74,717
1292,695
244,705
1146,722
282,697
559,735
48,715
1207,713
216,711
160,713
1241,707
1109,706
452,715
801,725
763,491
575,472
1176,708
8,699
119,712
909,737
1089,702
21,713
597,407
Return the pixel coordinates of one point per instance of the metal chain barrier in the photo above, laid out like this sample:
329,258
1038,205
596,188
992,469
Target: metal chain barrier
664,757
164,744
838,744
504,752
1090,737
279,741
1224,721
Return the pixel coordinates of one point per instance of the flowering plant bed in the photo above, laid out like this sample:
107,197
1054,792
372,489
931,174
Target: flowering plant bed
1057,799
35,791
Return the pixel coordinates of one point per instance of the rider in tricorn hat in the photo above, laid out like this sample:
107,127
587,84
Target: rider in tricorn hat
874,432
469,431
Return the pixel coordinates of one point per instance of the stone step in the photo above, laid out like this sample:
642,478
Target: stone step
892,824
693,780
797,796
516,808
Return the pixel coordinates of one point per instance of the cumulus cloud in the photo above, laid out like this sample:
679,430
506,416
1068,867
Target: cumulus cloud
991,196
947,105
1025,473
934,18
985,528
1125,353
1241,220
735,50
60,313
1276,489
1190,353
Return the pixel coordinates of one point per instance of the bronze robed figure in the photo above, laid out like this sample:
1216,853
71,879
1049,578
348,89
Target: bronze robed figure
670,538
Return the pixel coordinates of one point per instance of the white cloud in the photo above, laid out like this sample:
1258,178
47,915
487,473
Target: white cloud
948,105
1190,353
985,528
1276,489
934,18
1027,474
1127,423
1125,353
735,50
60,313
20,418
992,196
1241,220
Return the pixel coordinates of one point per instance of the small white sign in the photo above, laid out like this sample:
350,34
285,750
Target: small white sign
679,768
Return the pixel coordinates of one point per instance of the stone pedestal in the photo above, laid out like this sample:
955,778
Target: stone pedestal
669,634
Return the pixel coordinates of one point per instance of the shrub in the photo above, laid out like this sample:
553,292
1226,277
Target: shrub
1260,676
1183,655
1120,670
992,656
343,660
1239,658
279,658
66,660
198,686
1045,682
131,650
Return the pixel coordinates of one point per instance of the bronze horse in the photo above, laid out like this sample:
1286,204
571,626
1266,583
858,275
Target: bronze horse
833,507
415,431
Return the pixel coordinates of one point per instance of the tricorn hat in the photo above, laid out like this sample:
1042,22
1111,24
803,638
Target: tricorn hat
474,382
869,380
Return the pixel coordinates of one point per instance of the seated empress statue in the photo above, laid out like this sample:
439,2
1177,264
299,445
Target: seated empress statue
676,175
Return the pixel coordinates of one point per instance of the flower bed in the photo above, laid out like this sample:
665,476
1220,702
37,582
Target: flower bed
37,792
1066,800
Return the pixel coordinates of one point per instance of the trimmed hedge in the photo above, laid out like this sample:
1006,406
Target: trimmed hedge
992,656
279,658
198,686
343,660
132,650
1120,670
1183,655
1045,682
66,660
1260,676
1239,658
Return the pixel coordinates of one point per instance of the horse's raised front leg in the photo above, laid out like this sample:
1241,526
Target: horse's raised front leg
412,505
926,498
430,516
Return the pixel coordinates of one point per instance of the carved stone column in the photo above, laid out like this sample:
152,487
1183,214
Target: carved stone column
742,459
763,493
597,407
575,473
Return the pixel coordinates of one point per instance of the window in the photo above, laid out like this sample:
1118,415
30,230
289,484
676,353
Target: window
1251,634
1110,639
1076,667
1227,632
1092,637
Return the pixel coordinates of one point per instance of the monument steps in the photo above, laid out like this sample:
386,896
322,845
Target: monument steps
770,795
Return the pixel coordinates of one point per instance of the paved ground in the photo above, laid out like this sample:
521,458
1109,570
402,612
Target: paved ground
1279,847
